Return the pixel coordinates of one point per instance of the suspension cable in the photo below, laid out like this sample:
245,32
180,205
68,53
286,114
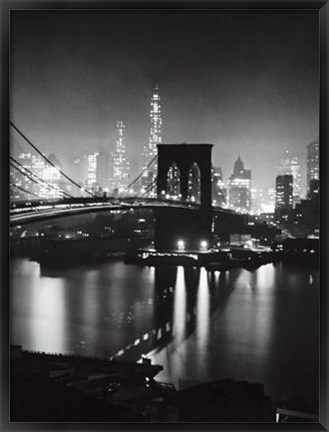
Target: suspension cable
24,190
45,157
142,172
150,187
30,175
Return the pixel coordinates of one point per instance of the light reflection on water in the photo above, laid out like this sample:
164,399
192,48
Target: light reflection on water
179,318
203,316
260,326
247,324
47,323
177,349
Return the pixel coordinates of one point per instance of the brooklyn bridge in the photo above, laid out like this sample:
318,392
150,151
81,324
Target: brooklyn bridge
179,195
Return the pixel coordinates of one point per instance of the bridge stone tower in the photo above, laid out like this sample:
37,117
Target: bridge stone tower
173,224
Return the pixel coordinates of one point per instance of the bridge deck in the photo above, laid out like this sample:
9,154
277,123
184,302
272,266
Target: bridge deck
35,212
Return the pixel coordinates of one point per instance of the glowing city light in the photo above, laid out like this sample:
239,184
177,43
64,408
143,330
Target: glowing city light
181,245
150,148
121,165
203,245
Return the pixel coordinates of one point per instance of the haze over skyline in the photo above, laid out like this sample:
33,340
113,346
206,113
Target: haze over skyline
245,81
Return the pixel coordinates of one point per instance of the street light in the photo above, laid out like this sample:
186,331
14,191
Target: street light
203,245
181,245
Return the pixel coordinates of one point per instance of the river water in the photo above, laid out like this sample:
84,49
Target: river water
260,326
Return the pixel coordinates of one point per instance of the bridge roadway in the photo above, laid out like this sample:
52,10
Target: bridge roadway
34,211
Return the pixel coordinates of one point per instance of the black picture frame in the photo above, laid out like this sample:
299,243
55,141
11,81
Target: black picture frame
6,8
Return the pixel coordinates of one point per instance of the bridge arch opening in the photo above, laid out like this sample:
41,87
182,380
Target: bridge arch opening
189,226
173,181
194,184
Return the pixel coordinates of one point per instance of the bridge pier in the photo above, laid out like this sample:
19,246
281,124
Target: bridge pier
191,227
174,225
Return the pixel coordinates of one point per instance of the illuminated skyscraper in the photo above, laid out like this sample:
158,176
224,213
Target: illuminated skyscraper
120,163
312,163
239,193
91,172
289,166
150,150
284,192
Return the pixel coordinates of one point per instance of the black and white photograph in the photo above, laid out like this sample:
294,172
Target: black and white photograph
164,206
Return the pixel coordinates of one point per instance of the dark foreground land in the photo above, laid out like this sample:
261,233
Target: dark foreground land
56,388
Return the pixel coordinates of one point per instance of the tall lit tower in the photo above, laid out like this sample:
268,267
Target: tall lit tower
121,164
150,150
289,166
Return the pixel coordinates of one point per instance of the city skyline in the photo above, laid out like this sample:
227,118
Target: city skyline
95,174
244,93
288,163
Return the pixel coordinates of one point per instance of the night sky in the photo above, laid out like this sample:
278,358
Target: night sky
246,81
